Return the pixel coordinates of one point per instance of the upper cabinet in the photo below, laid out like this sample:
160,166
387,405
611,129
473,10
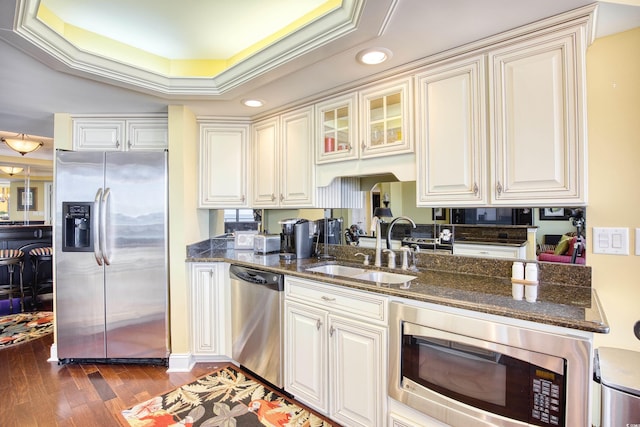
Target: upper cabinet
385,119
223,167
536,151
283,173
451,123
538,122
337,137
119,134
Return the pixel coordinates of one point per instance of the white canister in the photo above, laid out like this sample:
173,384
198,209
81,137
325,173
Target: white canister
531,272
531,293
517,290
517,270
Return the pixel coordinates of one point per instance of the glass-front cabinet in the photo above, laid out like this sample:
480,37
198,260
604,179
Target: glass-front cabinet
337,129
385,119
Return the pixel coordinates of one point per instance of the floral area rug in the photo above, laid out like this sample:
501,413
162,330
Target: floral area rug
23,327
223,398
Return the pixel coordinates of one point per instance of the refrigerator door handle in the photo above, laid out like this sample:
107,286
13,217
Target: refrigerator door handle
95,221
103,226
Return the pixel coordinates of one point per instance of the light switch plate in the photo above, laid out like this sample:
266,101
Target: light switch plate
611,240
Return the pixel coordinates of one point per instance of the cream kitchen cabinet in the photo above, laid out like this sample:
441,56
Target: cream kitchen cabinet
223,166
535,154
120,134
451,146
386,119
538,119
283,173
337,126
209,301
335,351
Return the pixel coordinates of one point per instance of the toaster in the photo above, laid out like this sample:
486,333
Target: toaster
266,243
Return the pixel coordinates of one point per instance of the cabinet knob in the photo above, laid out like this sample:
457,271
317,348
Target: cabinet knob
273,197
117,144
331,331
363,146
318,324
129,143
242,198
281,197
499,188
475,188
329,299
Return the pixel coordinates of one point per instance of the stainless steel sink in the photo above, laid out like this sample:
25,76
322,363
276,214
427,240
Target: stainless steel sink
362,274
384,277
337,270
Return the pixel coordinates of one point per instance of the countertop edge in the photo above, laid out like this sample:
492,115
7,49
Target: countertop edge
583,325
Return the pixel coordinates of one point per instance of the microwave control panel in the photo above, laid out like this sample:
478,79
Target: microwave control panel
547,392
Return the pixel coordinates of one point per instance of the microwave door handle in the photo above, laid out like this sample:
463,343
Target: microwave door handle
103,224
95,226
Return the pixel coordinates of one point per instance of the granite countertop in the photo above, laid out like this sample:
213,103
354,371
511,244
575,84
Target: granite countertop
566,306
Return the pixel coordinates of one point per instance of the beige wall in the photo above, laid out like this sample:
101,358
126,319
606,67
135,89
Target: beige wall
613,79
187,223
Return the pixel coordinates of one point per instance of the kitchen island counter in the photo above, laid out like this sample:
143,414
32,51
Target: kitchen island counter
575,307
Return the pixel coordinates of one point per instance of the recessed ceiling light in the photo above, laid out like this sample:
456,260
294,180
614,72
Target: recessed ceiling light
253,102
374,55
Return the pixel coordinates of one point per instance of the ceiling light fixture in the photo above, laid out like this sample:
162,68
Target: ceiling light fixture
11,170
22,145
374,55
254,103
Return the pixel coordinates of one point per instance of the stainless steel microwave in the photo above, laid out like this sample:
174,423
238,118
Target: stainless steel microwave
466,371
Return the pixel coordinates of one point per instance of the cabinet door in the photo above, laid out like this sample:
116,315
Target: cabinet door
205,314
451,149
297,185
223,173
337,129
147,134
305,342
538,135
386,119
98,135
358,372
266,190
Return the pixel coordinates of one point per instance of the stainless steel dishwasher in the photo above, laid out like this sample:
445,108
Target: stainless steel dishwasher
257,300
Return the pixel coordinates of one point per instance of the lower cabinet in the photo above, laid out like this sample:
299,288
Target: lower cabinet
208,297
335,351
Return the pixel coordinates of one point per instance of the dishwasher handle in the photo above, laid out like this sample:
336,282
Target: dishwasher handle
257,277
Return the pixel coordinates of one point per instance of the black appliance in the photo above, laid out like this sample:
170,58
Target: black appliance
295,239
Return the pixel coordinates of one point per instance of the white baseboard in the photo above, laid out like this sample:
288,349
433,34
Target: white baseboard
53,353
182,362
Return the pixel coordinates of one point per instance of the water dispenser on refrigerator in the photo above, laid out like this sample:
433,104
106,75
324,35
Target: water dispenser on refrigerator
77,227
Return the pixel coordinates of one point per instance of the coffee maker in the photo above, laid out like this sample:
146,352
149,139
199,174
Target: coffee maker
295,239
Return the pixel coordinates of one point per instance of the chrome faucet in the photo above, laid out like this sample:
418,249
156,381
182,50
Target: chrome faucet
406,218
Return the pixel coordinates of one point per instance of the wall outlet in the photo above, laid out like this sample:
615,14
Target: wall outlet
610,240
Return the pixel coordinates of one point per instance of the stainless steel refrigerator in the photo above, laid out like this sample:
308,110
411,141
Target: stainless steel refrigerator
111,256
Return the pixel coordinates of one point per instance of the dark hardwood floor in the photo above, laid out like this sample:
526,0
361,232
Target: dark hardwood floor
34,392
37,393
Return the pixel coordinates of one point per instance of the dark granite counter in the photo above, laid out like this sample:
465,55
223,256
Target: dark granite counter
575,307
